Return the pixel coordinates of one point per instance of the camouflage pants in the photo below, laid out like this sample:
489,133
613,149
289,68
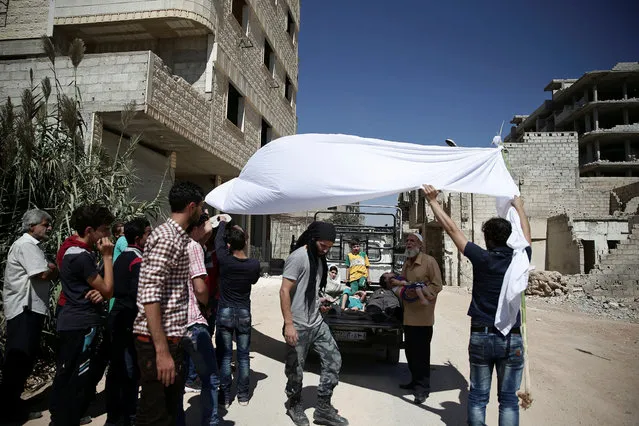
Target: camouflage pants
322,342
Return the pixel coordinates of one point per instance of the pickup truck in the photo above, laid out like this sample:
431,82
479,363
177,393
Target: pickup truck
358,331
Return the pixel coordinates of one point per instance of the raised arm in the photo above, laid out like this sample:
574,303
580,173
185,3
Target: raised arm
444,220
104,285
221,250
518,204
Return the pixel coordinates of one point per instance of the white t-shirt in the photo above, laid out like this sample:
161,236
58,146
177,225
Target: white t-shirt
25,260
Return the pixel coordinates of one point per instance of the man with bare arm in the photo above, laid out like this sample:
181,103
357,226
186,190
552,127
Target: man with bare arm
305,274
488,347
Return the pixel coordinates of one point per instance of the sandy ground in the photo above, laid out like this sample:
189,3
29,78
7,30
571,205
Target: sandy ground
584,372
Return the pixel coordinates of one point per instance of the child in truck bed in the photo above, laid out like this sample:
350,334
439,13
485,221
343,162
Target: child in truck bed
353,301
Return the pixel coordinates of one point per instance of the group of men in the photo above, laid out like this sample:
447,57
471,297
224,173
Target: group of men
164,311
306,277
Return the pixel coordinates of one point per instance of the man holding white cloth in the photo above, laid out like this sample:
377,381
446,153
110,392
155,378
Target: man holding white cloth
489,347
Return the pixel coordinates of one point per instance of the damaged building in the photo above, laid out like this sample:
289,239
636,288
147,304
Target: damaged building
212,81
575,159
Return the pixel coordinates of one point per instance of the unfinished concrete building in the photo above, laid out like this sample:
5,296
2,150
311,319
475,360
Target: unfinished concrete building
213,81
575,161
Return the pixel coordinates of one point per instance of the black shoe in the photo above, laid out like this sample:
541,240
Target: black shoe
420,398
326,414
296,412
407,386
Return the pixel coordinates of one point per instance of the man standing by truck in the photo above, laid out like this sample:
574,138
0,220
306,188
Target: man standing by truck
419,318
305,272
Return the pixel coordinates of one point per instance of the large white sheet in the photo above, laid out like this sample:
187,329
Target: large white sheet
315,171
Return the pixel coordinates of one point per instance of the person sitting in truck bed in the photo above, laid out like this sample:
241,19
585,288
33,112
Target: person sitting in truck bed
400,290
353,301
330,295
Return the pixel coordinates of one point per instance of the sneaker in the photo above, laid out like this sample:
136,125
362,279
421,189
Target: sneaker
420,398
85,420
192,388
243,403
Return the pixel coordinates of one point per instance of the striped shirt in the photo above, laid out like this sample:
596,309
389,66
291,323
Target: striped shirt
163,278
197,268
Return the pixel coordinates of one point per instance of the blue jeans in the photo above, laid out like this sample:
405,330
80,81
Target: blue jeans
506,355
201,353
230,321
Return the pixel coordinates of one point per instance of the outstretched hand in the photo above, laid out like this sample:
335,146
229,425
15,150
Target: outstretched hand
430,192
518,202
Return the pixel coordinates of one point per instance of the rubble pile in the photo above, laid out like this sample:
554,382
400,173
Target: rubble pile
546,284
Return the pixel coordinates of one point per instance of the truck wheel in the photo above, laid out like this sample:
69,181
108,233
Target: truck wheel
392,354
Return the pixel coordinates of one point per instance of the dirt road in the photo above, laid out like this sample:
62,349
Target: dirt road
584,372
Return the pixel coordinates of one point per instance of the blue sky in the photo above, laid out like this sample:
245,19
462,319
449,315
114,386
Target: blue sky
422,71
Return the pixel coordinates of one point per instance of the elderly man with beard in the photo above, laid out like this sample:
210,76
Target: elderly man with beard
305,273
419,318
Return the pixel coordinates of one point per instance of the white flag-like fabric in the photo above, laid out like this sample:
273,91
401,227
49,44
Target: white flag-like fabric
315,171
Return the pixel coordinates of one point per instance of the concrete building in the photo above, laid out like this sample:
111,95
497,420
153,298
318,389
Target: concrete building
574,160
213,81
602,107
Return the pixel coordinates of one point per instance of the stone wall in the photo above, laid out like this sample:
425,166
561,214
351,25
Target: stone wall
175,103
617,274
241,59
107,81
562,247
625,199
26,19
283,227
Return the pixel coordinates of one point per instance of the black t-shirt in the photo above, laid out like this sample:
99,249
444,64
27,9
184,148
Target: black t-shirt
236,275
78,265
489,268
126,272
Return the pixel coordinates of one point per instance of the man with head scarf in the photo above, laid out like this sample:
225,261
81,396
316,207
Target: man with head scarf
305,275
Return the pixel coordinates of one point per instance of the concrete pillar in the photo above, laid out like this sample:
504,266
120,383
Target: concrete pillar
624,89
627,149
597,151
626,119
595,116
594,93
248,231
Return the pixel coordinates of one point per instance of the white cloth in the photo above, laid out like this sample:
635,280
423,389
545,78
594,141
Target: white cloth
315,171
22,288
516,277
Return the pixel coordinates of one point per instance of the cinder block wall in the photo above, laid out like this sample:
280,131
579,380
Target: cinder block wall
25,19
122,78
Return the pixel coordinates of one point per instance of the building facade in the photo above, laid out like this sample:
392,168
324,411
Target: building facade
574,160
212,81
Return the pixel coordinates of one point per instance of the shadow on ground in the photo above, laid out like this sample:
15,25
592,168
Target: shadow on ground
193,405
379,377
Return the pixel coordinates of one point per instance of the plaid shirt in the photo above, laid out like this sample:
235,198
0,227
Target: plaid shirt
197,268
163,277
